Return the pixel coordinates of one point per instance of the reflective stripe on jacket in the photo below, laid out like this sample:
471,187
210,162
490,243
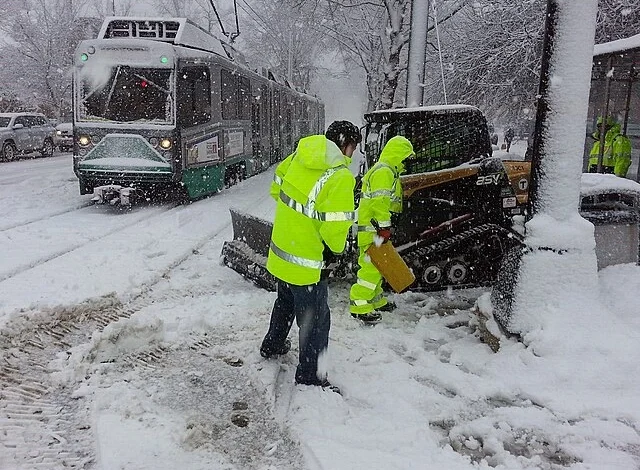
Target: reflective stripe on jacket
381,189
313,188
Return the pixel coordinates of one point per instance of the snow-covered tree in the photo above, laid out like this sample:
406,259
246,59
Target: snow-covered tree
373,35
35,63
10,103
492,53
112,8
286,37
617,19
200,12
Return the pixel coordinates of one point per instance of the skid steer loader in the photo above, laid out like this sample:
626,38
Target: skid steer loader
458,209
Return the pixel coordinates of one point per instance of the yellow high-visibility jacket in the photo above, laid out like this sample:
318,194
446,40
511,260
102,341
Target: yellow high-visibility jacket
381,189
617,151
313,188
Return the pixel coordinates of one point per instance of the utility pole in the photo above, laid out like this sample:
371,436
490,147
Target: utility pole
290,58
542,108
554,189
113,7
417,52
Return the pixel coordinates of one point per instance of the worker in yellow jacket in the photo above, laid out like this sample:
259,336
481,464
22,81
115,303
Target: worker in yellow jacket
381,196
616,157
313,188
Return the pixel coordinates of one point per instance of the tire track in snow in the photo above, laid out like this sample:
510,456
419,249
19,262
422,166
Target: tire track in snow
41,425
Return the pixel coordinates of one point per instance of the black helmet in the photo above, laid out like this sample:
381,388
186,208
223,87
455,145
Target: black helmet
343,133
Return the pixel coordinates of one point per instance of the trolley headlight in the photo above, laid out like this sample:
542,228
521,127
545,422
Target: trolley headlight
165,144
59,132
153,141
84,140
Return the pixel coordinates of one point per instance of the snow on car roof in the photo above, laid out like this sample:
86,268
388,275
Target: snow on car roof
22,113
626,44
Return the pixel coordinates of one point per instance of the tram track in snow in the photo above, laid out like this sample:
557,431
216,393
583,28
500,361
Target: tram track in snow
73,247
42,425
8,227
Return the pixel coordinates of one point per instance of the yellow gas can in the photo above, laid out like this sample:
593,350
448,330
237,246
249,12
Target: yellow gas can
392,267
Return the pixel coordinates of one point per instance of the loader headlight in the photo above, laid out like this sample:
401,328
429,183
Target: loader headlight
165,144
84,140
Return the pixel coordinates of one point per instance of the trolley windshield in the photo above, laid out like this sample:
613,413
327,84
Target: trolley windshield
126,94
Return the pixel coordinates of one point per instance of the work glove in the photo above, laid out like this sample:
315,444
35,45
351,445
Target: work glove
384,233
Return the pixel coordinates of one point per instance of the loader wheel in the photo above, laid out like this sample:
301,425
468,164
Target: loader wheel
9,152
456,272
432,275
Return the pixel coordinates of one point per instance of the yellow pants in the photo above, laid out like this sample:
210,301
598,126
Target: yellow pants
366,294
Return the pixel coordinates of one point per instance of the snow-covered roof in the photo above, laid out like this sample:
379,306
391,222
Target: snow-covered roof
626,44
432,108
178,31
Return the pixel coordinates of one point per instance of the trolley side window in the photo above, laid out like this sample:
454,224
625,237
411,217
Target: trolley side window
194,91
235,95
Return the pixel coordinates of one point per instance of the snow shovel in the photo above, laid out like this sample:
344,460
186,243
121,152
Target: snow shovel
392,267
247,252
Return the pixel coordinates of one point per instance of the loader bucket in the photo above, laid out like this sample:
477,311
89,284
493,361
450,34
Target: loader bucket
247,252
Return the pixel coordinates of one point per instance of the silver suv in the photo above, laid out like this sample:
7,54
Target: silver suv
23,133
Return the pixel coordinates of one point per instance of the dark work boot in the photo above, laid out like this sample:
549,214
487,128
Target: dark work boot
368,318
324,383
388,307
267,351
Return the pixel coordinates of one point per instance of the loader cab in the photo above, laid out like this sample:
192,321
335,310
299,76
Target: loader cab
443,137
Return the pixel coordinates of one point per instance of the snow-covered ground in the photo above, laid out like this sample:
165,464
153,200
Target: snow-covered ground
125,344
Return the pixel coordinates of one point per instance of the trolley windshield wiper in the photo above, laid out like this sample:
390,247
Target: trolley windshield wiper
152,83
113,86
99,87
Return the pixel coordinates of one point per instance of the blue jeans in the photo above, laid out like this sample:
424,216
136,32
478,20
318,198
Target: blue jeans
309,306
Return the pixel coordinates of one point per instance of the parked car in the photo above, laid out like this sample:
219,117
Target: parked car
64,136
24,133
